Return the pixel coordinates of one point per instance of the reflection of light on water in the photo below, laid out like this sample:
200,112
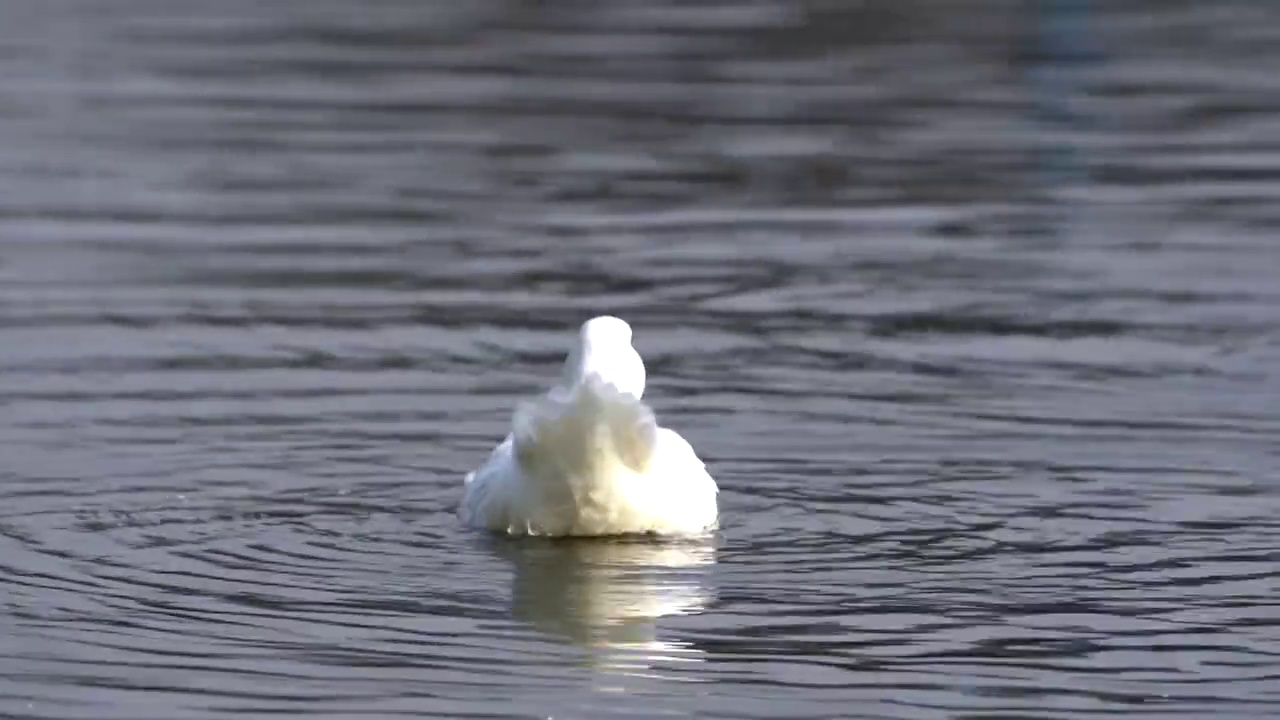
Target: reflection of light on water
606,595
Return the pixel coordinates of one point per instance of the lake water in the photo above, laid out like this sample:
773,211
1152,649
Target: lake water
972,308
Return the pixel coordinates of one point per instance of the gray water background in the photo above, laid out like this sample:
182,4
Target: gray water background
971,307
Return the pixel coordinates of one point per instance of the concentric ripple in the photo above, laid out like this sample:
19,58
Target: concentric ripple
970,306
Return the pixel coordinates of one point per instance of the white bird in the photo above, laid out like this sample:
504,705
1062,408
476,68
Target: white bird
589,459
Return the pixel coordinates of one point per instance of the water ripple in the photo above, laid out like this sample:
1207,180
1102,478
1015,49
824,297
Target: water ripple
971,311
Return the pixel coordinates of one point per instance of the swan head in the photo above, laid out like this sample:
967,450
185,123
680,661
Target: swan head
604,347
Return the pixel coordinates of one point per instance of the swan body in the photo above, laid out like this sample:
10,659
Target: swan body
589,458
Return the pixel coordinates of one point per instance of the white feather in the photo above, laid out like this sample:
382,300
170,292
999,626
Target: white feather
589,458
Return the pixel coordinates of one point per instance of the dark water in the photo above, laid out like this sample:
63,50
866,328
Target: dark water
972,308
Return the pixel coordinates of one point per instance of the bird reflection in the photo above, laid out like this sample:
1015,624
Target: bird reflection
606,595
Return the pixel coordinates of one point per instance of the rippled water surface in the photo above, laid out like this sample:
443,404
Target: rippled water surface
971,307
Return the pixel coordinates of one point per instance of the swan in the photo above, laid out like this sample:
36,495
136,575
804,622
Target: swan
588,458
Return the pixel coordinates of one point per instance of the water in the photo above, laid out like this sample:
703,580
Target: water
971,307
